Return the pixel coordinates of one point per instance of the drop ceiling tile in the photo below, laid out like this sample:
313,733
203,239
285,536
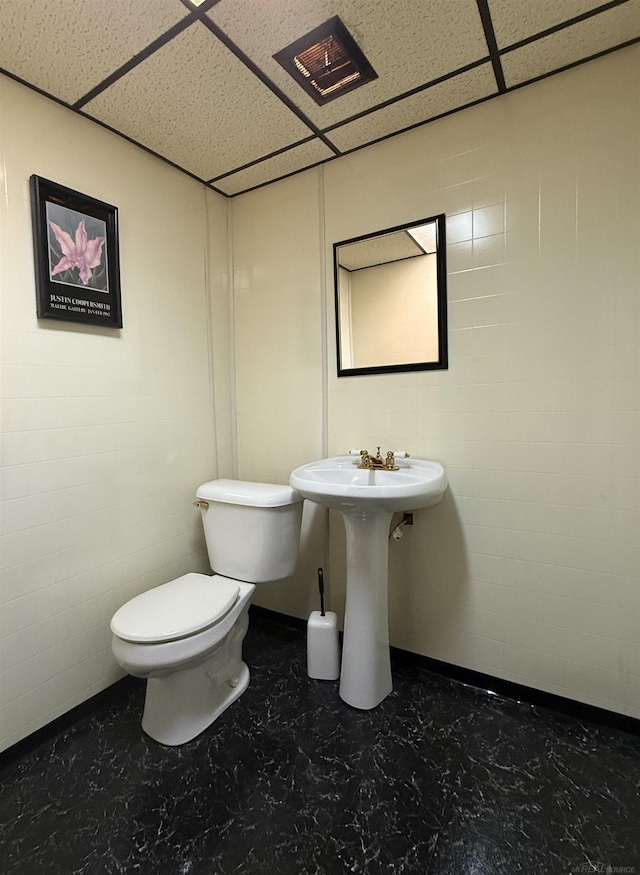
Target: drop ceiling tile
597,34
195,103
297,158
513,22
408,43
380,249
452,94
67,47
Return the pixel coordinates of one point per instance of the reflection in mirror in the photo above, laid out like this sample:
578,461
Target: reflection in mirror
391,300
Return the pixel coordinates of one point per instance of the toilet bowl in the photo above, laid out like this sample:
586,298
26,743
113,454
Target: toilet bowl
185,636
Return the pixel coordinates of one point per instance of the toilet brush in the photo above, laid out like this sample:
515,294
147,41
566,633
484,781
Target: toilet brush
323,656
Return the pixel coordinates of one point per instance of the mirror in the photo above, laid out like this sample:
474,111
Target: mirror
391,300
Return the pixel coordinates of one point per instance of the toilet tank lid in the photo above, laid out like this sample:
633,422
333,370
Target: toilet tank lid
176,609
247,493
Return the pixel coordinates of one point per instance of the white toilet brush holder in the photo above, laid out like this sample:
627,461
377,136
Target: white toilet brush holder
323,648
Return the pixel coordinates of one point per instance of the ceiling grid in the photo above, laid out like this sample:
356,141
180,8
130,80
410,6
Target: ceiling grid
200,87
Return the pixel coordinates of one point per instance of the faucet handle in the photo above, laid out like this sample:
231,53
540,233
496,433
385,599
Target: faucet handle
399,454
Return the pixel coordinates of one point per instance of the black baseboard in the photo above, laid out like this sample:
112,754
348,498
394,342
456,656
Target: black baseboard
580,711
561,705
66,721
276,617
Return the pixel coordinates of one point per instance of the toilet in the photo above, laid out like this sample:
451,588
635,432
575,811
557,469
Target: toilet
186,635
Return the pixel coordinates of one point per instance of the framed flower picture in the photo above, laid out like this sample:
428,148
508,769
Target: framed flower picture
76,256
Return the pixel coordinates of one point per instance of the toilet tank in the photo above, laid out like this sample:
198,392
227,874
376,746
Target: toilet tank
252,530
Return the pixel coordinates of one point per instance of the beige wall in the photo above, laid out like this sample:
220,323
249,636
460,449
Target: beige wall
529,570
394,313
105,433
278,315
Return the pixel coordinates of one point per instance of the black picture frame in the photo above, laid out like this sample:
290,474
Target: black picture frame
77,259
441,362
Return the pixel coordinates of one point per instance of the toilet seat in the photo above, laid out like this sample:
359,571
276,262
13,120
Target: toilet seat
174,610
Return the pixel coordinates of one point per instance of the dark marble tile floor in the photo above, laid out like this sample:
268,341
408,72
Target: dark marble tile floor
441,779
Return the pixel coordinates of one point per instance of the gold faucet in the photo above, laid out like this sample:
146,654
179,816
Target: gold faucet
372,462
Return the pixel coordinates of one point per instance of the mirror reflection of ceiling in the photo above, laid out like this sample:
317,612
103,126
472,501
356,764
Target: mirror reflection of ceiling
384,248
200,88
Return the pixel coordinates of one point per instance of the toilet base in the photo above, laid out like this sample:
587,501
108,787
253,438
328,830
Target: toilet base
181,705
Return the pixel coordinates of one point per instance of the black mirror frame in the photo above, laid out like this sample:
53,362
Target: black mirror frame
442,362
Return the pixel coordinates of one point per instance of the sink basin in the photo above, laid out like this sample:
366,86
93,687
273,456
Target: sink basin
367,499
339,483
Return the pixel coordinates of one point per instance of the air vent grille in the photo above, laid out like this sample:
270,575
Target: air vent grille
327,62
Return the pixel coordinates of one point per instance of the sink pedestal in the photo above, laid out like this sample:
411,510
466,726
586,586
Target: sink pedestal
367,499
365,678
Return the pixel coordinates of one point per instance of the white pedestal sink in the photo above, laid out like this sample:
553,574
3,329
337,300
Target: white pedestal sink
367,499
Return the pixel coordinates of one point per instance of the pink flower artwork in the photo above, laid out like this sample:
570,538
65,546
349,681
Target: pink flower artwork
83,254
